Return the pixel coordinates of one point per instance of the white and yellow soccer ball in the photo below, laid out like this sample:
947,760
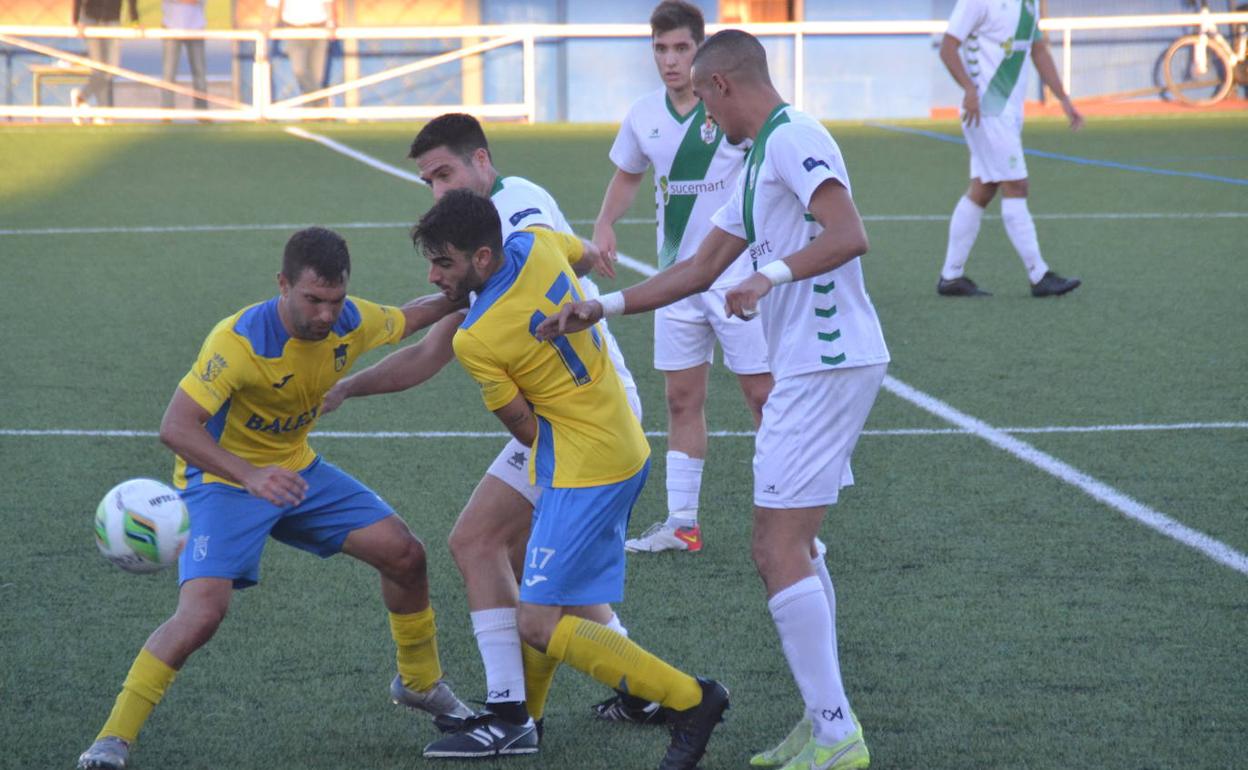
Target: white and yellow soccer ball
141,525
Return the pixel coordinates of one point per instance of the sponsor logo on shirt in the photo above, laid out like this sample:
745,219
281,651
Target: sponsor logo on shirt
279,425
760,250
670,187
519,215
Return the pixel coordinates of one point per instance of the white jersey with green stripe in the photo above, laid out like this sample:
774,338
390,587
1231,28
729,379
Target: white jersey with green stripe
996,40
695,167
823,322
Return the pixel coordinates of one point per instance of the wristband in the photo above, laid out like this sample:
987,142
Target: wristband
777,272
612,304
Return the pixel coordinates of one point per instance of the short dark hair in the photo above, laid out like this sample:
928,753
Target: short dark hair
733,50
457,131
320,249
674,14
462,219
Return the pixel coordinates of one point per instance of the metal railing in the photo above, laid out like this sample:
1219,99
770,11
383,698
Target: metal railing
262,106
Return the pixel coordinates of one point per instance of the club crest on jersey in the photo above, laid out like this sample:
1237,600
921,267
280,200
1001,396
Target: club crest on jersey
709,131
340,357
212,370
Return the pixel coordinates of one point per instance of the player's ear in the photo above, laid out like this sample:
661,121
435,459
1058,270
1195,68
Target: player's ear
282,284
483,256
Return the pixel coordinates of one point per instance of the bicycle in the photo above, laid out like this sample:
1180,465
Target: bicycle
1201,68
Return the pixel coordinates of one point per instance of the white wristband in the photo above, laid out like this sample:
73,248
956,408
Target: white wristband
612,304
777,272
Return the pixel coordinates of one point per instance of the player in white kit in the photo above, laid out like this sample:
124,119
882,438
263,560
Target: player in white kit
694,170
489,536
792,210
986,48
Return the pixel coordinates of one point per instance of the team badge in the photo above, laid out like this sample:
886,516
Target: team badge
340,357
201,548
212,370
709,131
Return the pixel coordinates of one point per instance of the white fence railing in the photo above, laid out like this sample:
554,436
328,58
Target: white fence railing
262,106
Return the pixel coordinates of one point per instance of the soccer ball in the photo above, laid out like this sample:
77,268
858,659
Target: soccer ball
141,525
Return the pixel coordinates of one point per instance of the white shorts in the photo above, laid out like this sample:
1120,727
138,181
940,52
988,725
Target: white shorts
512,464
685,334
811,423
996,149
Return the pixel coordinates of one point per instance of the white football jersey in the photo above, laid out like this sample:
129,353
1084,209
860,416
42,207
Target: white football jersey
826,321
695,168
521,204
996,40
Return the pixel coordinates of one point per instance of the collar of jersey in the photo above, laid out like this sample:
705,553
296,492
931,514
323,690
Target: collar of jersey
515,253
262,327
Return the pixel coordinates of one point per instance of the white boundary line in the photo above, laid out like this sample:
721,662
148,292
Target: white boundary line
287,226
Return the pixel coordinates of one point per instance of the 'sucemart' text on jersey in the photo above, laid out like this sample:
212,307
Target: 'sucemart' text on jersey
695,168
818,323
996,40
587,433
264,388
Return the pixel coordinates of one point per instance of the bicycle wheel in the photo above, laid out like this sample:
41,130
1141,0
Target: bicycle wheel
1183,80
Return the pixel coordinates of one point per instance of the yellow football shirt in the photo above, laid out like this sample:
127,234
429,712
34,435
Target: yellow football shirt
587,434
264,388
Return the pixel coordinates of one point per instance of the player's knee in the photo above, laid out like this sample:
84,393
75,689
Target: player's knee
535,630
410,560
197,624
468,545
683,402
1017,188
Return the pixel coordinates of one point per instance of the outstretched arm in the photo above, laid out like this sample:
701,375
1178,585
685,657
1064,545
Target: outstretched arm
1043,59
427,310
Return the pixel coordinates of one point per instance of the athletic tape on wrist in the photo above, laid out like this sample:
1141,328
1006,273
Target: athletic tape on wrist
612,304
777,272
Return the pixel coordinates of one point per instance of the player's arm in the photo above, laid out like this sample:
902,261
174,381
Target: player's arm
843,238
592,258
428,310
615,202
691,276
182,430
518,418
952,60
1045,65
402,369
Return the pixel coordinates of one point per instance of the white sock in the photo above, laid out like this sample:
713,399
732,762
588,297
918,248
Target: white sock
825,579
684,484
801,615
498,638
963,230
615,625
1022,231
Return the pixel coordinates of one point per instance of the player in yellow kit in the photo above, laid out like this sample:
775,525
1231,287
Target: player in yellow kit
239,423
589,455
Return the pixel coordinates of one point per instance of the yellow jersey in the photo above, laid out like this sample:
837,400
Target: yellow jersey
587,435
264,388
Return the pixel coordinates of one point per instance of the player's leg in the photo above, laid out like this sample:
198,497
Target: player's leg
969,213
1021,229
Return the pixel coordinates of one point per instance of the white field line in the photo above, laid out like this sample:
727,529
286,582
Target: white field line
433,434
288,226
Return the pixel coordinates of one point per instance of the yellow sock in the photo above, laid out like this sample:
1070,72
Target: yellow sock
618,662
145,685
539,673
416,643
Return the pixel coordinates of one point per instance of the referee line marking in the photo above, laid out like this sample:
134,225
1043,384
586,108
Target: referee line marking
1132,509
1070,158
288,226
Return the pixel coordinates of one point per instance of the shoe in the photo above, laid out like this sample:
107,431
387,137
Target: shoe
485,734
1053,285
661,537
691,728
960,287
787,749
437,700
107,753
849,754
623,707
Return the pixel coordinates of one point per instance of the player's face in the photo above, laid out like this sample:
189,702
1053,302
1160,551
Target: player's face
444,170
711,90
454,272
673,55
312,305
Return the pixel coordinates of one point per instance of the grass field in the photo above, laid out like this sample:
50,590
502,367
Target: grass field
991,615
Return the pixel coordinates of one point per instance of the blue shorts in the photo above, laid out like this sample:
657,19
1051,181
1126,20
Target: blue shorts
576,548
229,525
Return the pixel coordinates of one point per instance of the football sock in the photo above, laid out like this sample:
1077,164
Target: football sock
825,579
621,664
801,615
416,643
684,484
498,639
1022,231
539,672
145,685
963,229
615,625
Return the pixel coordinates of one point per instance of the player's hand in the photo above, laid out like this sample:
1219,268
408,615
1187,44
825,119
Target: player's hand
604,239
1072,114
572,317
970,107
742,300
277,485
336,395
